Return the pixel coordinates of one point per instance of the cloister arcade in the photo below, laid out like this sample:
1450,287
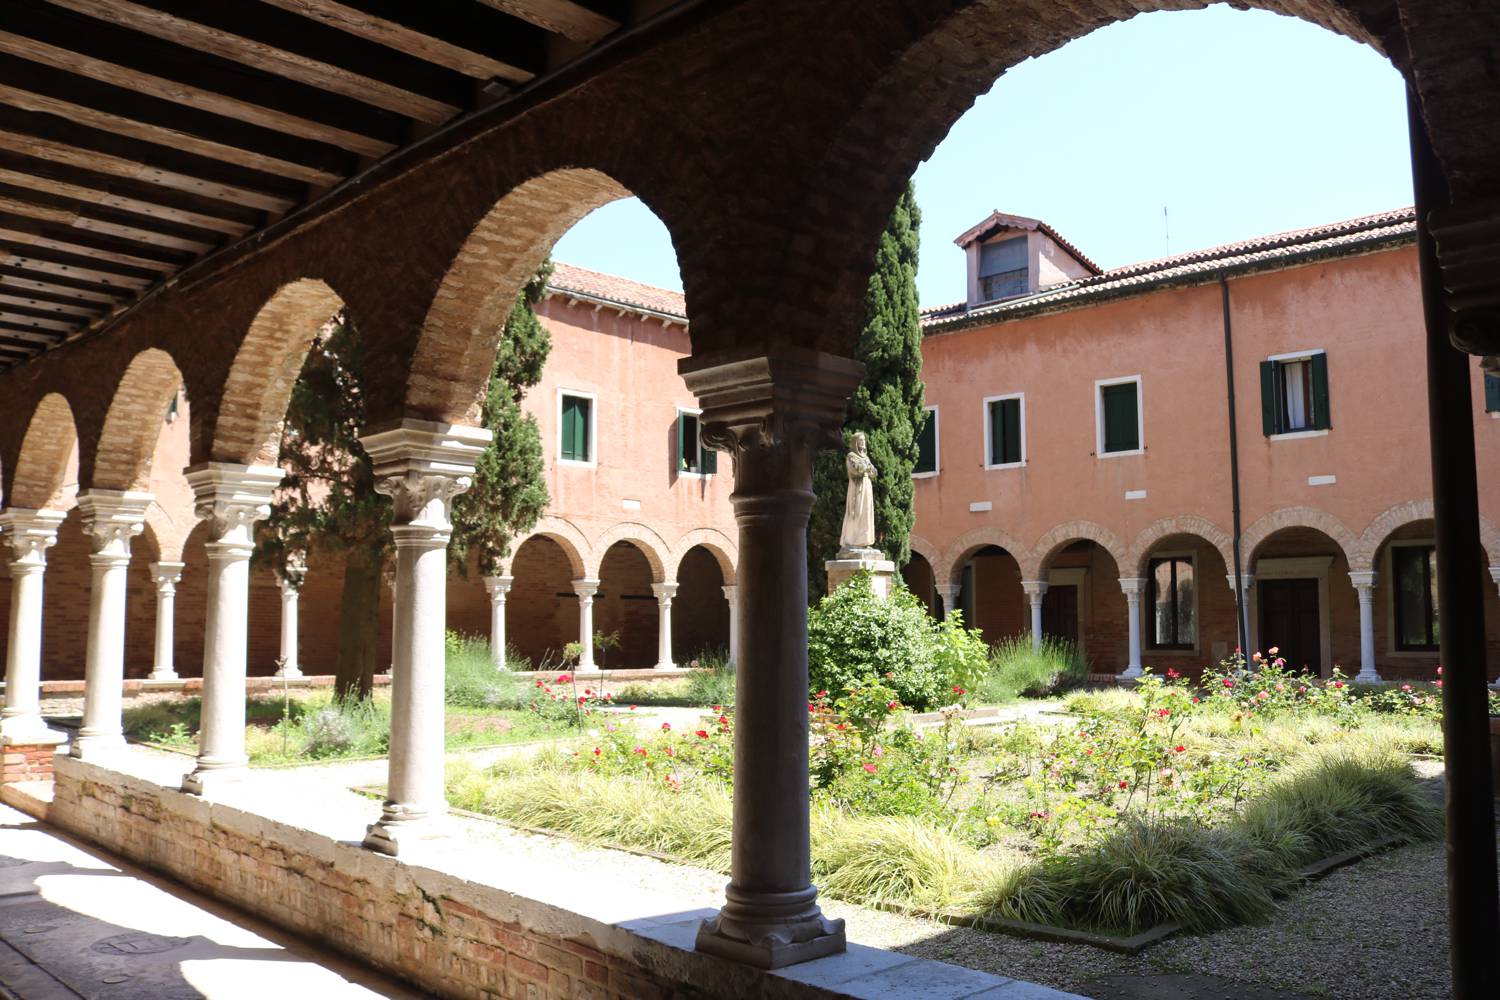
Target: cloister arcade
774,168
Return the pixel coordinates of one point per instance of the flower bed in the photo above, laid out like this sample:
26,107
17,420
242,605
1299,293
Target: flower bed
1197,805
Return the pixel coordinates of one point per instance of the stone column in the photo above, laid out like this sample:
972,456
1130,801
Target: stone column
291,588
421,466
1495,576
1133,586
498,587
29,534
388,577
1035,591
166,576
231,498
664,593
730,593
1246,582
111,518
1364,584
772,414
948,594
586,589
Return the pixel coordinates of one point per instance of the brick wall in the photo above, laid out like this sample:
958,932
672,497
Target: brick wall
626,605
541,613
700,614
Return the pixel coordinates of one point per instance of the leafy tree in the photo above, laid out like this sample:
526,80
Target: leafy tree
328,497
887,406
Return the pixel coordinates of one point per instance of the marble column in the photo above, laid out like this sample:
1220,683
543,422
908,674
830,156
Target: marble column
28,534
421,466
166,576
1035,591
111,518
772,414
231,498
948,594
586,589
291,580
498,587
664,593
1246,583
734,623
1364,585
1495,576
1133,587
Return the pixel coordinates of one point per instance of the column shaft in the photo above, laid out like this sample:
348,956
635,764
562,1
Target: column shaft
28,534
1036,590
1133,586
1364,584
111,519
664,593
498,587
731,593
166,576
586,589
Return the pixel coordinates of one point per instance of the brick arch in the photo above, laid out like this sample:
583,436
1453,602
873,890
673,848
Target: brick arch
1181,524
922,547
945,570
651,545
1298,517
718,544
1035,563
456,350
132,425
48,449
567,536
1379,529
171,538
253,406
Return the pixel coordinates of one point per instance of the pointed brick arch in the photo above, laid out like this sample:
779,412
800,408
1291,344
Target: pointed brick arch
122,460
718,544
1034,566
1381,528
451,366
266,365
946,569
1181,524
1298,517
643,537
48,450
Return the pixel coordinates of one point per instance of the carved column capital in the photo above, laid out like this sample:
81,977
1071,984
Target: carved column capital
586,589
1364,583
498,587
112,518
1035,590
28,534
232,498
772,413
1133,587
665,591
422,466
1468,250
1246,582
166,576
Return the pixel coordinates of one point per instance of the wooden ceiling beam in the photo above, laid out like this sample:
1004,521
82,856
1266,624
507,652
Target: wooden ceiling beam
16,297
99,246
34,87
265,40
69,265
561,17
73,289
61,141
139,197
16,316
458,34
21,334
38,32
99,219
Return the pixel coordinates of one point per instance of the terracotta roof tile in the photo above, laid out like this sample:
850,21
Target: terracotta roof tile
579,282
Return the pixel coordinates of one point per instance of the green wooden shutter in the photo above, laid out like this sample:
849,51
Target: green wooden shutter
927,444
1320,414
1012,410
997,432
1270,406
1491,393
567,436
682,462
710,457
1121,418
585,421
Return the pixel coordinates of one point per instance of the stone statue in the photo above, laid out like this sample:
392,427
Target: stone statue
858,532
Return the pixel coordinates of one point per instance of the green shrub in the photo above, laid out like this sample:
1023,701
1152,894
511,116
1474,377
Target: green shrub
852,635
1015,669
471,679
341,729
712,680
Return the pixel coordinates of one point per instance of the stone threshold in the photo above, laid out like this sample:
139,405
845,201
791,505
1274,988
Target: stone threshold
464,914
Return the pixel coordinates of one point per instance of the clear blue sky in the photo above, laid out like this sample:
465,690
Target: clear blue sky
1239,123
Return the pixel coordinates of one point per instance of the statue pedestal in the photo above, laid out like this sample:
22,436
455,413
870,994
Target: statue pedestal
851,561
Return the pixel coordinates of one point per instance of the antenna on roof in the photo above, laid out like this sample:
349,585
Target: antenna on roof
1166,227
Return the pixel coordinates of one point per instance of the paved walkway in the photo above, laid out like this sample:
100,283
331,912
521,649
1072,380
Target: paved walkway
75,926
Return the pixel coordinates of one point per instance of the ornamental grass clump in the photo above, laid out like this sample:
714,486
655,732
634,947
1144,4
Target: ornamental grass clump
471,679
1015,669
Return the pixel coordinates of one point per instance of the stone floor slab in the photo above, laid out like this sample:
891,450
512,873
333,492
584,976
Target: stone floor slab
1182,987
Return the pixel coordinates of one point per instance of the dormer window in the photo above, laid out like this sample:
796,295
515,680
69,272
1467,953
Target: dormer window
1002,269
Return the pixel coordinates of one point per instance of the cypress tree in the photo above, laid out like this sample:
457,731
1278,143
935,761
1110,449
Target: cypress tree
887,406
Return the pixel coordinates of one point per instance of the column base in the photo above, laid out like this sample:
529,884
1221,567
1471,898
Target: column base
97,746
293,674
163,677
390,834
1131,673
29,730
771,930
207,779
1368,677
667,665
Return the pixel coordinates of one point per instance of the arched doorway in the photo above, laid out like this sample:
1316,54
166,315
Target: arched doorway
626,614
700,611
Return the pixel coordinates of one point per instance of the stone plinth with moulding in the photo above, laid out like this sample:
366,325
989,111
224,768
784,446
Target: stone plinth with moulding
852,561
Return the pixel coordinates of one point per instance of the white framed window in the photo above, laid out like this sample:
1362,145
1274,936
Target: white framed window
1411,568
577,428
1003,271
1294,394
1005,431
1119,417
928,458
693,457
1172,601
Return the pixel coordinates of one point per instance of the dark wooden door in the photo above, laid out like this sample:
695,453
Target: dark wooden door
1060,612
1289,621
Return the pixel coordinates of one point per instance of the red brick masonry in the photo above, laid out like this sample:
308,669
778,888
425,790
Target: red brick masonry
27,762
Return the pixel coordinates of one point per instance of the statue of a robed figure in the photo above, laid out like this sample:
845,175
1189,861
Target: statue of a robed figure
857,551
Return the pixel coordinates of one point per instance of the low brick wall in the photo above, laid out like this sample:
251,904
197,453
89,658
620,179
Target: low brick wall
26,762
447,935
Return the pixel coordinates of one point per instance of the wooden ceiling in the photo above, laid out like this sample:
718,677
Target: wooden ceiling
136,136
